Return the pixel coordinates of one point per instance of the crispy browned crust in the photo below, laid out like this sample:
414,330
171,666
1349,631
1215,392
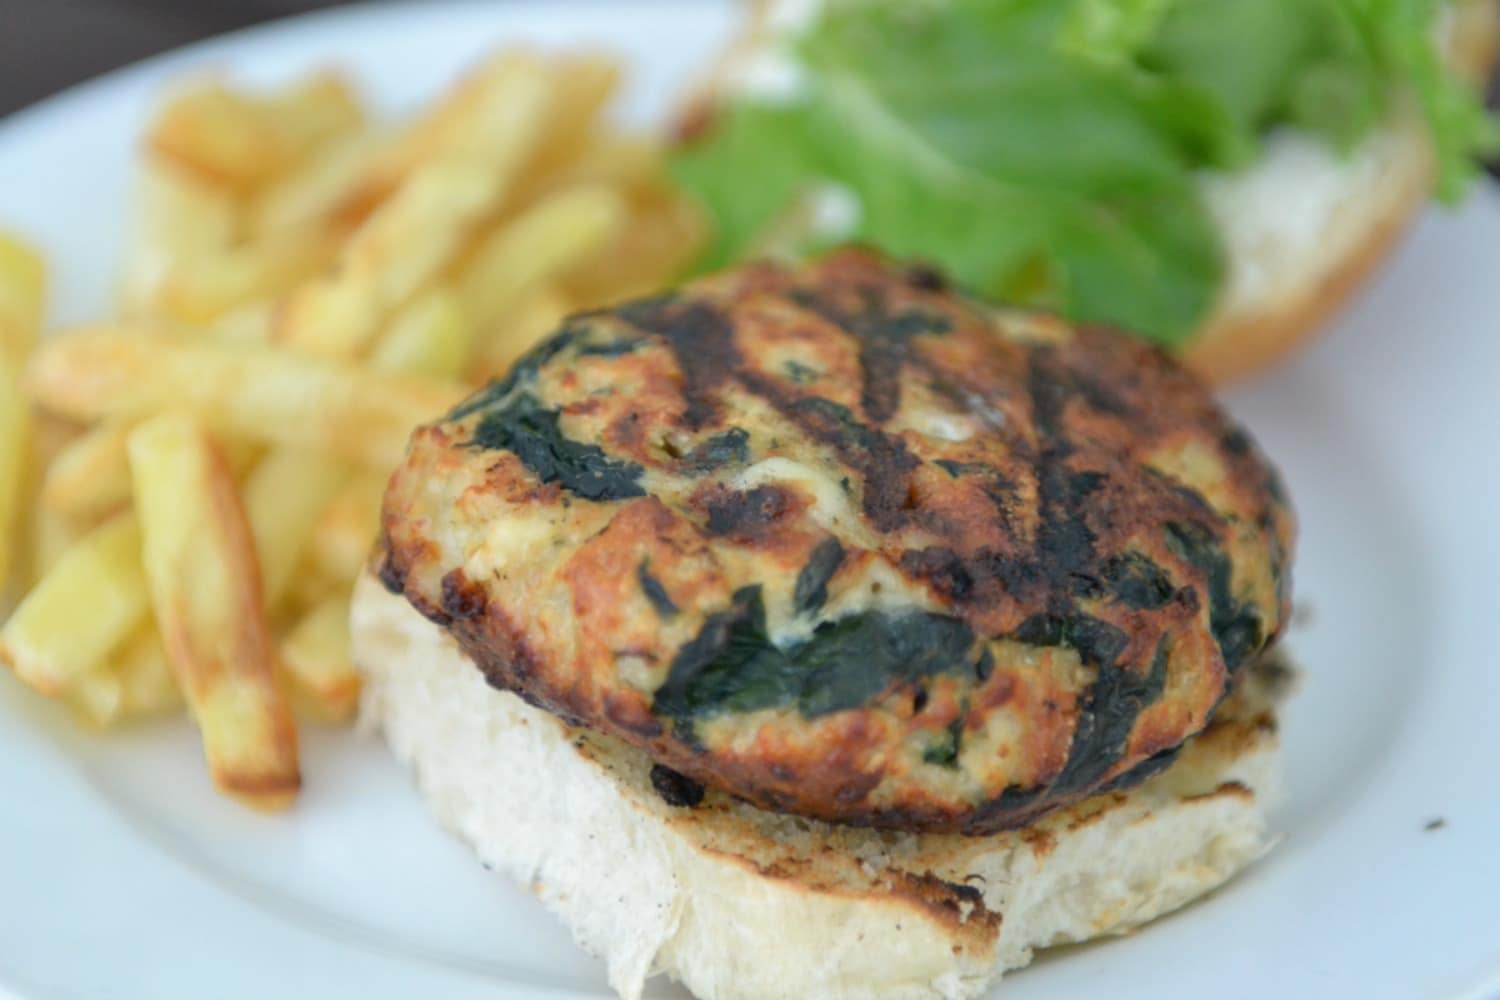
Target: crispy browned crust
668,522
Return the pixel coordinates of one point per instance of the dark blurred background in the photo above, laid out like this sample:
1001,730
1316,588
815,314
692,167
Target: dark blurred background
45,45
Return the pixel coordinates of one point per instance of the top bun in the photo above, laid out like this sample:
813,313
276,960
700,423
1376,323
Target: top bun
1303,226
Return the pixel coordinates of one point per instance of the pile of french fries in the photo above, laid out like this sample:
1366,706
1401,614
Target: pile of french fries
188,489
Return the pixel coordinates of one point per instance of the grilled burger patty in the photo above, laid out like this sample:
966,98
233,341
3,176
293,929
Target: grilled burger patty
848,544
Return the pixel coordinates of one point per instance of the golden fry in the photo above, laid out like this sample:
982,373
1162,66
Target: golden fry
180,220
23,281
240,454
494,118
146,675
43,535
247,324
80,611
310,587
204,583
136,683
582,86
315,110
52,534
49,436
237,141
560,232
398,249
204,288
90,477
666,232
315,656
346,529
15,450
98,697
252,391
284,497
313,195
628,163
535,316
431,335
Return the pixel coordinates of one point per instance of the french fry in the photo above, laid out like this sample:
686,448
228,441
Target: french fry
431,335
628,163
240,454
247,324
314,194
49,436
535,316
315,656
15,450
284,497
218,135
23,279
398,249
557,233
413,234
237,141
582,85
135,684
247,390
493,118
52,534
665,234
90,477
311,587
346,529
44,535
98,697
84,607
202,289
146,676
315,110
205,589
180,220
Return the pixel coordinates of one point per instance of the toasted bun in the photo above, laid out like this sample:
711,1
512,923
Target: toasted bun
1303,227
737,902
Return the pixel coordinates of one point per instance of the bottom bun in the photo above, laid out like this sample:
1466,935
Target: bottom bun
737,902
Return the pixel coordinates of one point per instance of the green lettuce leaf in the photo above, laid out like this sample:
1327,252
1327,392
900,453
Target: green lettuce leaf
1046,151
1397,36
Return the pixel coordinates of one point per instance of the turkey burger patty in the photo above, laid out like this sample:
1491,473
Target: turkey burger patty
845,543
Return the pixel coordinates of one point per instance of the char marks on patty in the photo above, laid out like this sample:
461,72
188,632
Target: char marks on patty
844,542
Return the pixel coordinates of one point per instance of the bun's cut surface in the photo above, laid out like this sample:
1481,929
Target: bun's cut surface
736,902
844,543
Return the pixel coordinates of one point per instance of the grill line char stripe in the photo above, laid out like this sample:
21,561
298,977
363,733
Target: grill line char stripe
701,338
885,342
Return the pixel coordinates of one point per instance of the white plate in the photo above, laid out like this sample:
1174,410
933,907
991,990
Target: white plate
123,874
